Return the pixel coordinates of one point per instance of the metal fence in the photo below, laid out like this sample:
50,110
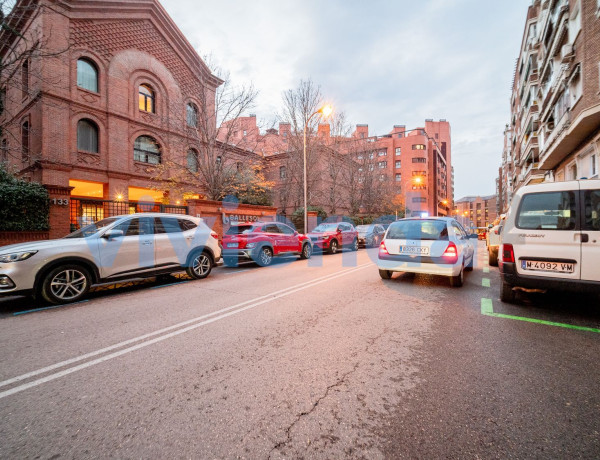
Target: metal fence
85,211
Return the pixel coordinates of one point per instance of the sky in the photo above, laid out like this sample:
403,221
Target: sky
383,63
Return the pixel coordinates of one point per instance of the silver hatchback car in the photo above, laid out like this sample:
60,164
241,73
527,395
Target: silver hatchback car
115,248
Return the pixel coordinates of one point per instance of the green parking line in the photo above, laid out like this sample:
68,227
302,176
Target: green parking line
485,282
487,309
486,269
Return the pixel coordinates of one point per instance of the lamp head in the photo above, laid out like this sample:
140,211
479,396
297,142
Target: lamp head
326,110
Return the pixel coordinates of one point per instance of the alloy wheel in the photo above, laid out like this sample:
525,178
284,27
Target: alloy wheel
68,284
201,265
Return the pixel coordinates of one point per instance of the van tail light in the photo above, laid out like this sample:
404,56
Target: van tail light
214,235
508,253
451,253
496,231
382,249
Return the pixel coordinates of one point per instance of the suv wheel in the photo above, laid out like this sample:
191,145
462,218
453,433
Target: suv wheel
333,247
200,265
355,244
507,294
265,257
306,251
67,283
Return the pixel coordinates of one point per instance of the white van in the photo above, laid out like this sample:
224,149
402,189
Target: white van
551,238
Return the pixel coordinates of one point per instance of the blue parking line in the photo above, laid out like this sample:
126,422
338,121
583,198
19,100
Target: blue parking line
48,308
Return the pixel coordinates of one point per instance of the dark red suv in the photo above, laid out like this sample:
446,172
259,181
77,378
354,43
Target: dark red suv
334,236
261,241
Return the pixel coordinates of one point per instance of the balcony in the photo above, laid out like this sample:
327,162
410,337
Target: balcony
532,174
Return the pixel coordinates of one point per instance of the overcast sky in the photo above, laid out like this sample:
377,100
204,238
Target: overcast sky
381,62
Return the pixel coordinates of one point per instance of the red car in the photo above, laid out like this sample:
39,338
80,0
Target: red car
334,236
261,241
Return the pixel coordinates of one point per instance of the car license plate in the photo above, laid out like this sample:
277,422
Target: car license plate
232,245
548,266
419,250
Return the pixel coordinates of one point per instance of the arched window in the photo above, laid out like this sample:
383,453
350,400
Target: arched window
146,150
25,141
192,115
87,136
87,75
147,103
192,160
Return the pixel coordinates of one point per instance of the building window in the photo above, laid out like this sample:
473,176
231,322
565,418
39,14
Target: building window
147,99
239,166
192,160
371,155
87,75
219,161
398,177
282,172
87,136
398,151
398,164
146,150
382,153
25,129
419,199
382,164
572,171
192,115
419,160
25,79
418,147
593,165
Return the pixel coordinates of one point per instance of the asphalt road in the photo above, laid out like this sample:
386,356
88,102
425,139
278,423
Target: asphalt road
306,359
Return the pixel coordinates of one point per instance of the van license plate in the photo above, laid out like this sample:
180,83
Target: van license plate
548,266
420,250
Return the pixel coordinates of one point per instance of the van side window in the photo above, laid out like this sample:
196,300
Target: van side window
591,199
547,211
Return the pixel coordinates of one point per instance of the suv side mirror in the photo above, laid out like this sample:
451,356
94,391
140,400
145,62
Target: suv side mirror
112,234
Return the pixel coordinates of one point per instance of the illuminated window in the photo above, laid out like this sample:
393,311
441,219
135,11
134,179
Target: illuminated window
147,103
87,75
418,147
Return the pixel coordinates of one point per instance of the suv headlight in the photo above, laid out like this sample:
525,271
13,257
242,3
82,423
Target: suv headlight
16,256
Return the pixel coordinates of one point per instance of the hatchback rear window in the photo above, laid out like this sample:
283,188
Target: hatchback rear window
241,229
547,211
418,230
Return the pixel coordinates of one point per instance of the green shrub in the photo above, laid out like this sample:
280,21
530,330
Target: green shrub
24,206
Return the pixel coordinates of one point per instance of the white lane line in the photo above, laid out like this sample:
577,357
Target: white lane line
253,303
237,271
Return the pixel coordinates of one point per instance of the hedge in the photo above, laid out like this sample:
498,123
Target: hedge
24,206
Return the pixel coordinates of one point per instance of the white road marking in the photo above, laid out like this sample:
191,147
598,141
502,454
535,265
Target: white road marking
199,321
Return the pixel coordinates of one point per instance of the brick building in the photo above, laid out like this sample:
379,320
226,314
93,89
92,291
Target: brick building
111,95
476,211
414,164
555,102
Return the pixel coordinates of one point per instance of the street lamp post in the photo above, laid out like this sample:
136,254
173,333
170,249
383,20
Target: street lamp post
326,111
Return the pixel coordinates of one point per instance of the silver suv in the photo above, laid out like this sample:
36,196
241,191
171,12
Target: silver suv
115,248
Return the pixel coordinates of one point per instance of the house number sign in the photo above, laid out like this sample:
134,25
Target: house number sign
60,201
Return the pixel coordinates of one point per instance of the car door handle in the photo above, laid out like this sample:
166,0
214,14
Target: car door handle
585,238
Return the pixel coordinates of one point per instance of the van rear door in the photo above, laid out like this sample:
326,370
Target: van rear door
590,231
547,236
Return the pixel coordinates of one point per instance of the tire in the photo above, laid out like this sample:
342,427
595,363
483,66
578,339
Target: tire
493,258
385,274
507,295
230,261
469,266
199,265
458,280
333,247
66,283
264,256
355,244
306,251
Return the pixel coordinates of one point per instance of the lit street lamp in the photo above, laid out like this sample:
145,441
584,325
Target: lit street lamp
324,111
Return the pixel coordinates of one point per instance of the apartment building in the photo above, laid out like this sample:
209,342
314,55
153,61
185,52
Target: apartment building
555,102
476,211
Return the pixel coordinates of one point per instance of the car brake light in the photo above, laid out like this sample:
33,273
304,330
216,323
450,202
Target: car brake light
508,253
214,235
382,249
451,253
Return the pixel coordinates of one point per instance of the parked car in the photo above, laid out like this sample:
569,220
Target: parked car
434,245
370,235
551,238
115,248
261,241
493,241
334,236
481,233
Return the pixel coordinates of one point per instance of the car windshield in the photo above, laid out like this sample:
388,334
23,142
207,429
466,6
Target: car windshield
325,228
363,228
418,230
92,229
240,229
